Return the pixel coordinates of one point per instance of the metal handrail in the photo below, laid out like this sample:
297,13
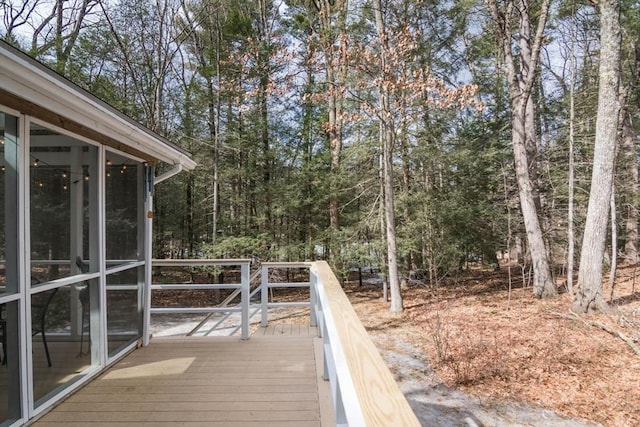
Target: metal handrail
226,303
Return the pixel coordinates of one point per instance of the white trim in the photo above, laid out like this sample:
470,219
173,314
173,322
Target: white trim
123,154
6,110
26,358
120,354
7,298
148,272
24,267
63,281
101,217
61,131
199,262
342,386
76,235
122,267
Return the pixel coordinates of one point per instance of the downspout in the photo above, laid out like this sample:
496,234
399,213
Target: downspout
168,174
150,181
148,255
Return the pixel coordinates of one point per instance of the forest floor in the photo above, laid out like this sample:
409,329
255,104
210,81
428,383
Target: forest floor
471,352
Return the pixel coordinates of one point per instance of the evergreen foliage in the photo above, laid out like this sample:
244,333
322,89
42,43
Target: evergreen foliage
246,87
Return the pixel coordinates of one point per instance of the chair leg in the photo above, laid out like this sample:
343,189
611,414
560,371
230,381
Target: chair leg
3,326
82,331
44,341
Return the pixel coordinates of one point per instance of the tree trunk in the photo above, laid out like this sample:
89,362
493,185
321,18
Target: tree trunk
628,151
206,40
614,241
589,295
386,128
335,69
406,183
384,261
571,239
543,285
392,257
521,73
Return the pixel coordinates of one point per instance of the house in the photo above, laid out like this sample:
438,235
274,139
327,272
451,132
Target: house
77,184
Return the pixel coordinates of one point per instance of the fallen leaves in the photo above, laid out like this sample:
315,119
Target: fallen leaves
479,341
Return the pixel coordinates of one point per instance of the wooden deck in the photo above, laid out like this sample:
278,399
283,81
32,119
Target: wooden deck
273,379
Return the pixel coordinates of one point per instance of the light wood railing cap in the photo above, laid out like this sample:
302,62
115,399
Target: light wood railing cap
381,400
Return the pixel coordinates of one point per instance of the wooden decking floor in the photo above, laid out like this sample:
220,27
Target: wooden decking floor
272,379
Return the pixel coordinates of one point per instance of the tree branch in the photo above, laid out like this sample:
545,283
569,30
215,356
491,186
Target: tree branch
628,340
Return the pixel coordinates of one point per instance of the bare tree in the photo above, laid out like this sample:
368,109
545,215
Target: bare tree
402,89
387,135
58,31
16,15
203,21
147,55
571,185
630,164
515,20
589,296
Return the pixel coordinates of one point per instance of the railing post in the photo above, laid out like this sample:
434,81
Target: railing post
264,294
244,299
313,297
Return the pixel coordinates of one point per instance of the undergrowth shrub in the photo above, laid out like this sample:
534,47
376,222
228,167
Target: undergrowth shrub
467,358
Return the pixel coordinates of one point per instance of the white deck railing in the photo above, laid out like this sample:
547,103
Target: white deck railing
363,390
243,286
266,287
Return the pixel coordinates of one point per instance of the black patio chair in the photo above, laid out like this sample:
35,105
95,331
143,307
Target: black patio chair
39,306
83,296
3,331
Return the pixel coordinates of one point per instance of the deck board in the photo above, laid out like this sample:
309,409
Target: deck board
273,379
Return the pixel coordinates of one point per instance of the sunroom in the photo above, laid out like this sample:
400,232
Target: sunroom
75,233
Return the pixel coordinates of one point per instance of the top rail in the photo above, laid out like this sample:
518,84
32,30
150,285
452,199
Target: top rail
199,262
302,264
364,390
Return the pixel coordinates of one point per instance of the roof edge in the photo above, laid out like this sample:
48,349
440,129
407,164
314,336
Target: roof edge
29,79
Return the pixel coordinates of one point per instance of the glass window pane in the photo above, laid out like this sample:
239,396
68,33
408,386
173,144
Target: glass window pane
124,308
123,206
61,194
9,140
9,371
61,328
10,403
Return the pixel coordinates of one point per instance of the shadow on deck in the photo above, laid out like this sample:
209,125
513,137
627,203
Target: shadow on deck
272,379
